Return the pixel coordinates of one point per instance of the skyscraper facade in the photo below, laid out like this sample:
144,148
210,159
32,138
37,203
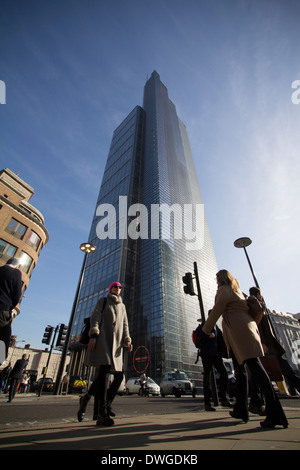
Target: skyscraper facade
149,228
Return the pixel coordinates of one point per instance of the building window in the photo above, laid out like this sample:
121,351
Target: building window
16,228
33,240
26,261
7,250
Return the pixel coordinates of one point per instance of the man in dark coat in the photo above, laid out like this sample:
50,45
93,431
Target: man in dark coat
16,375
10,295
211,352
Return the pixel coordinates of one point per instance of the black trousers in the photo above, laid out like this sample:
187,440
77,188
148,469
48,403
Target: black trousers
5,334
13,388
274,409
208,363
99,387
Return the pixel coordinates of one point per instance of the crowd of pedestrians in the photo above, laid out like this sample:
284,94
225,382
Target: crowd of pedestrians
242,339
15,379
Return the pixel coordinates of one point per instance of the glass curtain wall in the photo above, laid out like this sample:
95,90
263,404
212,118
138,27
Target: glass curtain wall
168,315
150,162
115,257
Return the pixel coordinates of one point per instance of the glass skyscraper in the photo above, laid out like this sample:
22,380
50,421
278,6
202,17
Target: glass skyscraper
148,198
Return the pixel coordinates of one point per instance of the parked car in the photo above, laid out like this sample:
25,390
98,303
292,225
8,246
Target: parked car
133,385
76,384
47,387
177,383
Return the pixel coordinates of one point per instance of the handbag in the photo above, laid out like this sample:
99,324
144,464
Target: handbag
256,307
84,335
5,318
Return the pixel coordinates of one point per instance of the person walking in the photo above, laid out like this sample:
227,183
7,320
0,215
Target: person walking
272,347
4,377
211,354
16,376
242,339
109,334
10,295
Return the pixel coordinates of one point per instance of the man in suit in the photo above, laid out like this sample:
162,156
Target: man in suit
16,375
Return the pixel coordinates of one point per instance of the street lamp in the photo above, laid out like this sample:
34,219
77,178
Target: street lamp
243,243
86,248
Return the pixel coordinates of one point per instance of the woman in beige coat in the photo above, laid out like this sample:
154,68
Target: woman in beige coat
243,342
109,334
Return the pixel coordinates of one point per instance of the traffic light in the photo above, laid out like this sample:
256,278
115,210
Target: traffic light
189,285
47,335
61,335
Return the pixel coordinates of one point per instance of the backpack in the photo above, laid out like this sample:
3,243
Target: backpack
196,337
84,335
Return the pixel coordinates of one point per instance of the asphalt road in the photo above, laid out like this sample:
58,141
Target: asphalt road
32,410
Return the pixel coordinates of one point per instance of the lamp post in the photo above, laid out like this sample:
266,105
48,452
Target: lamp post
243,243
86,248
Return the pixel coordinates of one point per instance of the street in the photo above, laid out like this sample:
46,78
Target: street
155,424
31,410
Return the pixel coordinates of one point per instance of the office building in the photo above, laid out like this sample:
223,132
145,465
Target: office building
22,229
149,228
287,330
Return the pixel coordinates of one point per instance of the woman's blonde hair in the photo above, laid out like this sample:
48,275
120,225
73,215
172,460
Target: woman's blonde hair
225,278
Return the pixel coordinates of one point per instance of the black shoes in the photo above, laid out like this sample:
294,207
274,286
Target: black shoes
209,408
103,417
235,416
226,403
110,412
267,423
83,401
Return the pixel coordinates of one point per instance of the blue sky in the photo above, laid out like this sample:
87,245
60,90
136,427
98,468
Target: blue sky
74,69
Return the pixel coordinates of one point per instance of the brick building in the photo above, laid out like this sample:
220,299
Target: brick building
22,230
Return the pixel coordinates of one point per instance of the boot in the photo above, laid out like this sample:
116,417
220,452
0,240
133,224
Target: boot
109,409
103,416
83,401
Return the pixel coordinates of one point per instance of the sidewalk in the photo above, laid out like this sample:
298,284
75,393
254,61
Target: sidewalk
186,432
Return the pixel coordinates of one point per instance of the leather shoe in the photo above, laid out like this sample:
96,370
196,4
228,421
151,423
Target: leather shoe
271,424
83,401
234,415
209,408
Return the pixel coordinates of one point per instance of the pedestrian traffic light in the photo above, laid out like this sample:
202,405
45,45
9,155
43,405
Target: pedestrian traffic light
61,335
47,335
189,285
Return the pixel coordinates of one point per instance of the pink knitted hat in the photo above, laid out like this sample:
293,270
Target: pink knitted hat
114,284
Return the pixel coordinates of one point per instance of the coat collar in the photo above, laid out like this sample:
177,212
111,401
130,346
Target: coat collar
117,299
